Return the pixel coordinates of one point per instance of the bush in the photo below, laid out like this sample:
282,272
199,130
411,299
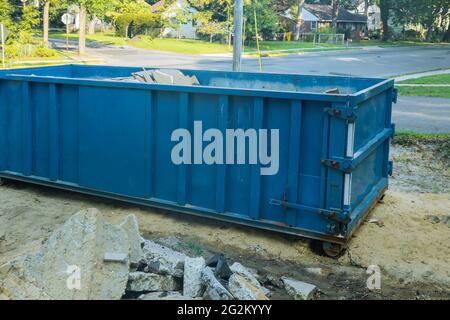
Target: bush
122,23
43,52
325,30
27,49
130,24
375,35
412,35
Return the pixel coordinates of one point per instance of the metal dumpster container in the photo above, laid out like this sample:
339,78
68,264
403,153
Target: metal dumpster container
72,127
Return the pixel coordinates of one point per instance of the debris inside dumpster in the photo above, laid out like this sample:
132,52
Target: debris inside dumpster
161,76
333,91
91,258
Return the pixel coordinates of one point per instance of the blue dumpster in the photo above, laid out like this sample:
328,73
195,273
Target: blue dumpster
75,127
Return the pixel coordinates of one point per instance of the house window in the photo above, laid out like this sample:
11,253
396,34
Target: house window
313,25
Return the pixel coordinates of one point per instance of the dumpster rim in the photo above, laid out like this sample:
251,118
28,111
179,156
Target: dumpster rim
353,98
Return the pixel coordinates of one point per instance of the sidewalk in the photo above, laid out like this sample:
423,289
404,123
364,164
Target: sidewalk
422,85
421,74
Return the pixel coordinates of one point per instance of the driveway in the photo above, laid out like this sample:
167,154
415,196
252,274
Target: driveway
421,114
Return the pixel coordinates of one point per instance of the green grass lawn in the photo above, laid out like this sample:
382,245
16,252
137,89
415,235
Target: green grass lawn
387,44
437,92
437,79
189,46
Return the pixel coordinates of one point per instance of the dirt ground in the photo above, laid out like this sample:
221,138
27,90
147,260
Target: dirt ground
407,235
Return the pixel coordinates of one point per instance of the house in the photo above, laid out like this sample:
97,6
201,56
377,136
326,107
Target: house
316,16
179,10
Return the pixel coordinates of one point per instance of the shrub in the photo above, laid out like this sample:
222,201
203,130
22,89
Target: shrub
412,35
130,24
28,48
122,23
325,30
43,52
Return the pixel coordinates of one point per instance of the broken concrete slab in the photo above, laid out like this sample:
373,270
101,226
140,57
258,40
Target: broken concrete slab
299,290
162,260
70,264
246,273
192,281
115,257
131,227
242,289
194,81
162,77
145,282
214,289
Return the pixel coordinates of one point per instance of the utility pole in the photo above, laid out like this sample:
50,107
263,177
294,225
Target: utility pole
238,31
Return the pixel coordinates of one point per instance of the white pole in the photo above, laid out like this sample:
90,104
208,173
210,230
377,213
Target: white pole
238,31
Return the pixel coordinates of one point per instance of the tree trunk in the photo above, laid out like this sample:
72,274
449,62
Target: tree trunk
229,25
366,7
298,27
91,26
335,13
384,9
45,22
82,31
210,38
429,34
447,34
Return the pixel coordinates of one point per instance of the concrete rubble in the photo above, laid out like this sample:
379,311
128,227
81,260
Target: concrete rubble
192,281
242,289
214,289
161,76
70,264
162,260
299,290
150,282
91,258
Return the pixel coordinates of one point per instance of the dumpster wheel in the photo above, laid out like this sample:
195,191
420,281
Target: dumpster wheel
2,181
333,250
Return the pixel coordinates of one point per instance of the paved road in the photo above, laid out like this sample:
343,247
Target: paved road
411,113
371,61
431,115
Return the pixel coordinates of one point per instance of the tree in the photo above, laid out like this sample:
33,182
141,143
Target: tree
334,15
429,14
89,8
385,7
447,34
267,18
209,27
5,11
229,9
30,19
82,29
298,28
176,16
45,21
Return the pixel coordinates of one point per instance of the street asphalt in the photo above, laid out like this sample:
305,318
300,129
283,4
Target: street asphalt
422,114
411,113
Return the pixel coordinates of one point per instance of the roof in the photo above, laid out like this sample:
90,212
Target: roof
325,12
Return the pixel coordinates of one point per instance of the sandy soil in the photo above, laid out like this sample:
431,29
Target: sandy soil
406,240
420,168
407,235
